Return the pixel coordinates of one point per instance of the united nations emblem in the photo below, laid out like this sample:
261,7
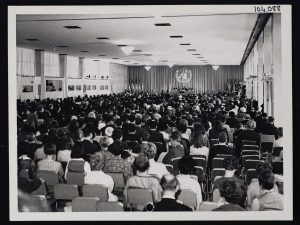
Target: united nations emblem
183,75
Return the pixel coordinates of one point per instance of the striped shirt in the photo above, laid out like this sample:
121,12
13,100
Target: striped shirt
51,165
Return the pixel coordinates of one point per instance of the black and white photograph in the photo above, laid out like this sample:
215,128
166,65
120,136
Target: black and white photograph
158,112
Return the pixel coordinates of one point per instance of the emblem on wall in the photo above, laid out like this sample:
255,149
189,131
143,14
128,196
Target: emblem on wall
183,75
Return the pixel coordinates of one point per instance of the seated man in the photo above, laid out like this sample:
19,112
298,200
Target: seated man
170,186
143,180
155,169
186,181
233,193
269,128
176,149
49,164
269,198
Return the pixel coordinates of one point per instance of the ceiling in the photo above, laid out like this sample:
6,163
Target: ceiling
219,39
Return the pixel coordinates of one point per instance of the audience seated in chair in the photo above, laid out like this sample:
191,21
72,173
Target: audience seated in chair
199,146
175,149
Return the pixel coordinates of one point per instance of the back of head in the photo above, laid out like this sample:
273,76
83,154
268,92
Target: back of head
175,135
152,124
271,119
77,150
217,125
116,148
266,179
182,127
233,190
198,140
251,124
97,161
186,165
67,143
146,136
116,134
230,163
30,137
149,149
169,183
131,128
141,163
222,137
50,149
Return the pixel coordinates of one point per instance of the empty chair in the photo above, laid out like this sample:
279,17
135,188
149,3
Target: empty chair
84,204
95,190
109,207
118,180
188,198
217,172
250,174
208,206
251,163
170,168
51,179
139,197
65,192
278,167
217,163
75,178
266,142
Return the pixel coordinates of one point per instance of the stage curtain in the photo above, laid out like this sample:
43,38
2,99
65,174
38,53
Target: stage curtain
118,77
204,78
25,62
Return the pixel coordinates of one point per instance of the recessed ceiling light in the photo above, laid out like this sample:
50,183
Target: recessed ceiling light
192,50
164,60
62,46
196,54
162,24
114,58
96,60
84,51
200,57
185,44
63,54
39,50
135,63
32,39
102,38
137,50
176,36
127,61
101,55
148,54
72,27
121,45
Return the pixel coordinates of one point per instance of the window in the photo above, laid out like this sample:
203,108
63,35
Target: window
88,87
78,87
101,87
106,87
53,85
94,87
70,87
27,88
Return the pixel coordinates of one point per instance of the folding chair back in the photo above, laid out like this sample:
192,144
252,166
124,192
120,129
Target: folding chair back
65,191
250,174
161,157
246,157
214,142
251,163
200,161
51,179
188,198
217,172
278,167
109,207
267,138
223,156
250,152
250,147
169,168
95,190
277,150
118,180
247,142
174,163
75,178
208,206
217,163
266,142
139,197
200,173
84,204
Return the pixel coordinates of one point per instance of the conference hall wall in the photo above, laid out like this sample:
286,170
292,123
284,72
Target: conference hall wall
204,78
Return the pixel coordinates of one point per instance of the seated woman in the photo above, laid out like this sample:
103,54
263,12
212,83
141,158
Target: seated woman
234,195
64,155
97,176
77,163
186,181
143,180
199,146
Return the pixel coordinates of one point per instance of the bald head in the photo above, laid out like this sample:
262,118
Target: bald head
169,183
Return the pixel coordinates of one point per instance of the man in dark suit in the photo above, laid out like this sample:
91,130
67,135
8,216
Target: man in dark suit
156,136
221,148
170,186
269,128
132,136
261,121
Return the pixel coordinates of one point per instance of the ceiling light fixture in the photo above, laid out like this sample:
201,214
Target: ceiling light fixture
127,49
215,67
147,68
